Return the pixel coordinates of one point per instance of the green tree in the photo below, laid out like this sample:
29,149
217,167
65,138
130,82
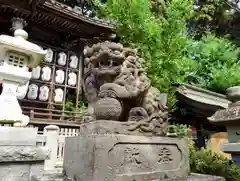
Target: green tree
159,30
212,15
217,63
161,40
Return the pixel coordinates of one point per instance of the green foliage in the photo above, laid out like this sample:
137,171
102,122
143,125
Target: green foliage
71,107
159,31
158,7
205,161
178,130
211,10
224,78
217,63
212,15
162,42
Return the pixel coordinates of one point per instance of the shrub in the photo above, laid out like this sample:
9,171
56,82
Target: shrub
206,161
178,130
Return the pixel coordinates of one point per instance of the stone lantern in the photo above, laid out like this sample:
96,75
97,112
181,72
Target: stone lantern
16,56
230,117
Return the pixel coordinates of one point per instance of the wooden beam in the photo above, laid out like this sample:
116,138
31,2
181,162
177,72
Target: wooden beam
16,4
41,2
55,23
64,12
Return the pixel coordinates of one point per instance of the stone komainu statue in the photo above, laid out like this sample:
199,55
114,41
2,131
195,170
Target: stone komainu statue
118,89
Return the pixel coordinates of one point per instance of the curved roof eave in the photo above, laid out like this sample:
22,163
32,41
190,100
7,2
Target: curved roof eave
64,10
203,96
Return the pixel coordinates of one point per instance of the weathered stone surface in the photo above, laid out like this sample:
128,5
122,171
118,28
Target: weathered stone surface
117,89
231,148
15,136
193,177
36,170
48,177
110,127
23,153
107,127
233,133
16,172
230,115
125,158
233,93
20,158
199,177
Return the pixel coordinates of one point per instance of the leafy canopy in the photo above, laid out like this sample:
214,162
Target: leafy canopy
217,63
161,40
159,30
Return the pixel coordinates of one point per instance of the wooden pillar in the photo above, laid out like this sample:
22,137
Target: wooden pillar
200,136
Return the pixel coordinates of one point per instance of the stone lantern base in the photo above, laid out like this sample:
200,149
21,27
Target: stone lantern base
234,150
20,158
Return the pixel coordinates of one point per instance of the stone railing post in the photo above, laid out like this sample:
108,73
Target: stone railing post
51,132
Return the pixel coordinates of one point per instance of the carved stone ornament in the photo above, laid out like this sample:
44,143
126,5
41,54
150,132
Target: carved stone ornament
73,61
58,98
36,72
49,55
32,91
118,89
44,93
22,91
60,76
46,73
18,23
72,79
62,58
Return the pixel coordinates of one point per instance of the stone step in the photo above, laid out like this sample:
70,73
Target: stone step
46,179
198,177
53,177
49,177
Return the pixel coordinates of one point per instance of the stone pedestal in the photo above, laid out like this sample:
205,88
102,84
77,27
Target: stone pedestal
125,158
198,177
98,155
234,150
20,158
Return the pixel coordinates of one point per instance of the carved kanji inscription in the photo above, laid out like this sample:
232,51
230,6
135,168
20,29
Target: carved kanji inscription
165,156
144,158
132,155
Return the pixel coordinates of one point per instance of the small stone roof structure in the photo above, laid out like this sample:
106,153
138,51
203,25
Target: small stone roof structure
200,102
229,115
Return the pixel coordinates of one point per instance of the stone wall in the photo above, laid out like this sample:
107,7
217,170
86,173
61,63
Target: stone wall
20,158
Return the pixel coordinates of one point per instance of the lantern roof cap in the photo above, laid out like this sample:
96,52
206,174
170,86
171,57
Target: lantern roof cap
19,43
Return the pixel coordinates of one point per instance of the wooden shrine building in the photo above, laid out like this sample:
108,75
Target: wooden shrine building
196,105
64,31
